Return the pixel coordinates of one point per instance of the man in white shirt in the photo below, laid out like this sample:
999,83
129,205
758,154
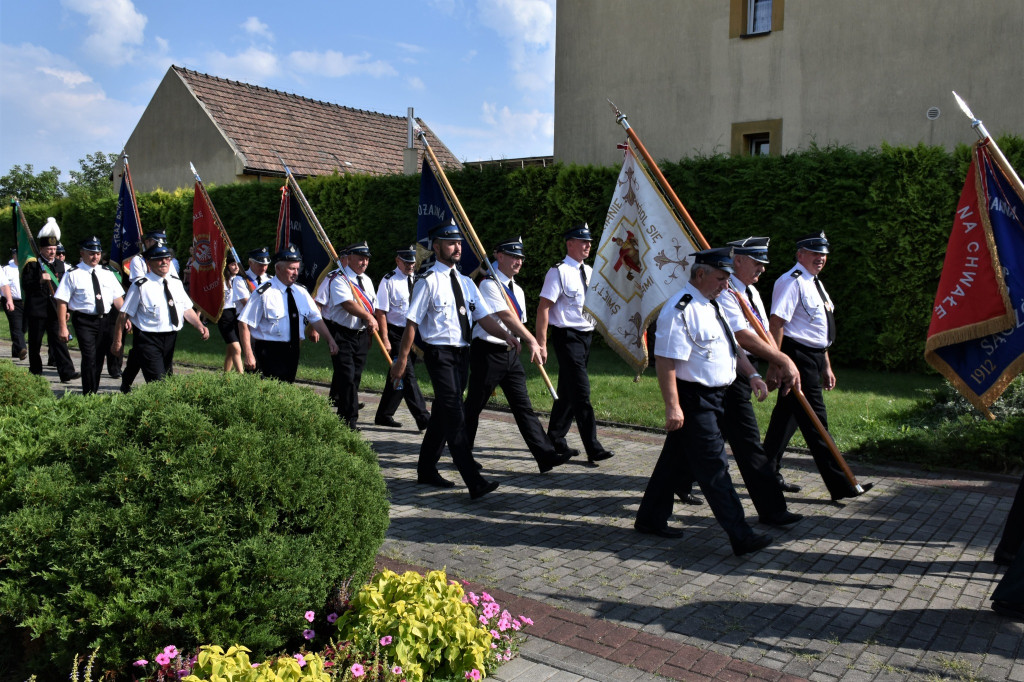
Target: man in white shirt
16,315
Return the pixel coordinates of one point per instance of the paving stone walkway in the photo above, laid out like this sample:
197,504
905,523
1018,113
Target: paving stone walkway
894,585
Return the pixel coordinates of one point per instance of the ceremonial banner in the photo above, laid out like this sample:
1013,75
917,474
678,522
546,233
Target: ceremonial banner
316,257
434,209
127,225
976,335
640,262
206,279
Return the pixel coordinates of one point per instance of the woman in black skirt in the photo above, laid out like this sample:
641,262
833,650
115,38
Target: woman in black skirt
228,322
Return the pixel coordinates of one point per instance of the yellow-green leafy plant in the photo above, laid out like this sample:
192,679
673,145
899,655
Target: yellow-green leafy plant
431,628
216,665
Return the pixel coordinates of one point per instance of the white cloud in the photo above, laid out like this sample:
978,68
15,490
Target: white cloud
54,113
505,134
528,28
116,26
409,47
254,27
415,83
251,66
336,64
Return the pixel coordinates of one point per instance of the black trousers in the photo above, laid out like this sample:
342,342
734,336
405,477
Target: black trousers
491,365
572,348
695,452
788,415
37,326
94,340
277,359
154,352
17,322
390,399
448,367
349,362
113,361
1013,532
739,426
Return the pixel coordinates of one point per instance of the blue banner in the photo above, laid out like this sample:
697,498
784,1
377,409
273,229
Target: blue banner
434,209
316,259
982,368
127,230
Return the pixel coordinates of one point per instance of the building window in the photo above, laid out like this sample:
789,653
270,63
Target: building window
748,18
757,138
759,16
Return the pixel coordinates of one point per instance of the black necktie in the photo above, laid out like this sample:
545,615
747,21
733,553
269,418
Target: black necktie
293,317
460,302
172,311
725,327
753,306
830,317
96,292
359,281
583,277
408,281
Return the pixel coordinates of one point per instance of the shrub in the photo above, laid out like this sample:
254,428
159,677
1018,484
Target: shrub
201,508
18,387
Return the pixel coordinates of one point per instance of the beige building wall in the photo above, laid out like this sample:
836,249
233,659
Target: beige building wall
174,130
850,72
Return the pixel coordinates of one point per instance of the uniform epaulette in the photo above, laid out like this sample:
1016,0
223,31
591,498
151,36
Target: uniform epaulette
389,275
796,273
173,276
263,287
684,301
140,281
73,267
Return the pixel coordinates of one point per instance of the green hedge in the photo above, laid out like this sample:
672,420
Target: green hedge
203,508
888,213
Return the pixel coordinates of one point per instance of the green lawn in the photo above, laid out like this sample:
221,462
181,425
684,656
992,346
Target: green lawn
862,406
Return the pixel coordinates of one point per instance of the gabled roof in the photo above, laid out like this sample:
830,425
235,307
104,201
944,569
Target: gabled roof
313,137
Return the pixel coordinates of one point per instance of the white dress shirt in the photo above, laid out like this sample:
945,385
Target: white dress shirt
796,300
393,296
493,296
146,303
696,339
433,306
266,313
14,275
77,291
563,286
336,289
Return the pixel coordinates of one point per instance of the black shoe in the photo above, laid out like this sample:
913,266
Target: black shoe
482,489
388,422
50,362
751,543
854,493
478,465
434,479
22,354
1003,558
362,405
422,425
786,518
788,487
600,456
555,460
71,378
1009,609
572,452
663,532
115,375
691,500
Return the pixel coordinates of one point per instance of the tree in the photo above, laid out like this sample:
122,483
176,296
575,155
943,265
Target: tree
25,185
94,180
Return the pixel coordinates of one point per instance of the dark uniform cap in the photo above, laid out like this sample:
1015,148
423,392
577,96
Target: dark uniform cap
408,255
260,255
815,243
581,231
158,236
229,257
448,231
158,250
289,254
512,247
60,248
91,244
754,247
720,258
360,249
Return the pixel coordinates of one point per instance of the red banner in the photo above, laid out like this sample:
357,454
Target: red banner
206,277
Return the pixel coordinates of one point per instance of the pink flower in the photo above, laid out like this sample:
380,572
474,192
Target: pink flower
526,620
515,625
331,618
301,659
309,634
473,674
162,659
310,616
486,597
493,645
396,670
491,610
385,640
328,664
171,650
141,662
357,670
483,620
254,665
494,634
473,599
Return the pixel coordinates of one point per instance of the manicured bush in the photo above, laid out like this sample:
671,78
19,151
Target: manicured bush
203,508
18,387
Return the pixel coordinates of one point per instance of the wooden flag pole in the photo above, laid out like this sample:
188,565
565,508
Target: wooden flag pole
620,118
330,247
32,245
474,241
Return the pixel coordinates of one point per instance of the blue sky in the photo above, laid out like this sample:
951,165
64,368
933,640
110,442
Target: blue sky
76,75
